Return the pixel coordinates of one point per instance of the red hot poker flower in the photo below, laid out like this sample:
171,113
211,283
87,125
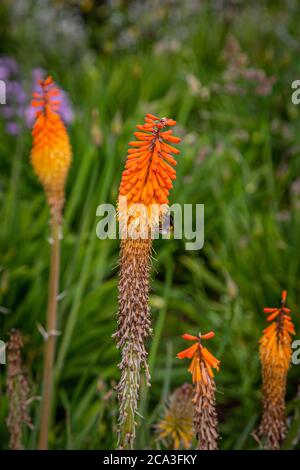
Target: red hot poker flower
276,339
51,156
275,356
51,151
205,417
47,98
142,204
149,168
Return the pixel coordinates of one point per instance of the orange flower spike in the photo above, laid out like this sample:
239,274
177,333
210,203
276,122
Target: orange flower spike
154,159
51,151
201,368
142,204
282,316
51,158
275,356
199,355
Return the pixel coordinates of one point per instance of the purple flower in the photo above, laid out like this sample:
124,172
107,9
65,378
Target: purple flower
65,110
19,94
12,128
8,67
15,94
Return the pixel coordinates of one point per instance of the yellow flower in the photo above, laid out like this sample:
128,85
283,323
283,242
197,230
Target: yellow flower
176,426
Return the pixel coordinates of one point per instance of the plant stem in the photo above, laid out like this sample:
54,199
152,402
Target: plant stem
50,340
134,326
128,401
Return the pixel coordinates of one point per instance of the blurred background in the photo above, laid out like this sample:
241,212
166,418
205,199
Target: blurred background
223,69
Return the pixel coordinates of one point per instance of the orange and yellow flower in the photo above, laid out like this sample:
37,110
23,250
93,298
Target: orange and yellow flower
148,177
275,356
51,151
276,339
204,417
142,202
203,361
149,172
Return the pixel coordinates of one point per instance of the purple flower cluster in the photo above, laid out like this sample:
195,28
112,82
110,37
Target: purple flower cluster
15,95
18,111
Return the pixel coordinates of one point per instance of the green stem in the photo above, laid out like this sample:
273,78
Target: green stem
129,400
50,340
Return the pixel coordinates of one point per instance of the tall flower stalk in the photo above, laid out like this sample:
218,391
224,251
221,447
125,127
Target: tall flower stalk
275,356
51,158
201,368
142,203
17,392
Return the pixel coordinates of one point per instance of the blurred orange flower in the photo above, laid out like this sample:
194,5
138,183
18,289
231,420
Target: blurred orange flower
51,151
276,339
275,356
